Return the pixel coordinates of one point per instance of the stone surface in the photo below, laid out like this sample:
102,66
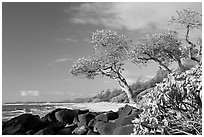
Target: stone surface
107,128
67,130
91,124
91,132
22,124
82,130
85,118
45,131
98,126
123,130
124,111
65,116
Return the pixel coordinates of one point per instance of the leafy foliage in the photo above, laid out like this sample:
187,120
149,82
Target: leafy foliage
162,48
110,52
173,106
189,20
188,17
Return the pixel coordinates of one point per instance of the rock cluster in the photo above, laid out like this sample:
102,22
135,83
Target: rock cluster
74,122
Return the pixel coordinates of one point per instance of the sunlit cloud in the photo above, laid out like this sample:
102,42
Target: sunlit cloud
29,93
132,16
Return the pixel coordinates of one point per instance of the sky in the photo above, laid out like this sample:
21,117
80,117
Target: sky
41,41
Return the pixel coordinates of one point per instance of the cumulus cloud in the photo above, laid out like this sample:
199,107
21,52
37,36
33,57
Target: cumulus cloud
29,93
132,16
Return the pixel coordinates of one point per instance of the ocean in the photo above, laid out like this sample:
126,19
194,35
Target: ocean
12,110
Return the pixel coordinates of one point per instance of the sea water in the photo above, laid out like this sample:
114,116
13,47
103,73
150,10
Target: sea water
12,110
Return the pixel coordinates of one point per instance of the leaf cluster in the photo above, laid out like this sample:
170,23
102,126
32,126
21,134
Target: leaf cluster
174,106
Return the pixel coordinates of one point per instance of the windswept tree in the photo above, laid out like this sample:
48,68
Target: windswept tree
190,19
110,52
163,48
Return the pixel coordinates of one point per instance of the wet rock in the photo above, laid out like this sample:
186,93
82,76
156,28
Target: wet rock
30,132
126,120
107,128
91,124
112,115
123,130
22,124
45,131
65,116
91,132
67,130
85,118
82,130
98,126
79,111
102,117
50,117
124,111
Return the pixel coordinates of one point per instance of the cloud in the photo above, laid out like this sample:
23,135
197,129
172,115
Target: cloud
60,60
71,39
29,93
60,93
132,16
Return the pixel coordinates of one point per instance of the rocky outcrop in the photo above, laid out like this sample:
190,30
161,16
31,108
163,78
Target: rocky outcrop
73,122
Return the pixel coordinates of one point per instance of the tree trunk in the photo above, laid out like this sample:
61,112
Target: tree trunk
125,87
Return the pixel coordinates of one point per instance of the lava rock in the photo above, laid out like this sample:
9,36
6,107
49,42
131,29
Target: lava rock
85,118
124,111
79,111
50,117
45,131
82,130
67,130
107,128
98,126
91,132
112,115
65,116
123,130
102,117
91,124
22,124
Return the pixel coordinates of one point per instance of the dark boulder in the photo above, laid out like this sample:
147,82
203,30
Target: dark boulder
107,116
126,120
67,130
124,130
51,129
91,132
55,126
102,117
30,132
107,128
45,131
22,124
50,117
82,130
112,115
124,111
91,124
79,111
98,126
65,116
85,118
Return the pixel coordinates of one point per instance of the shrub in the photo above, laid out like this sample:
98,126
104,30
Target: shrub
174,106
